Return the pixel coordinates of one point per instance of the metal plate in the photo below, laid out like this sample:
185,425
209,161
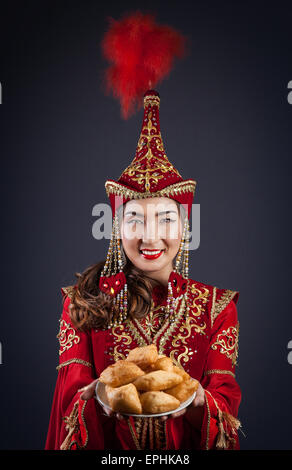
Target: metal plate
102,399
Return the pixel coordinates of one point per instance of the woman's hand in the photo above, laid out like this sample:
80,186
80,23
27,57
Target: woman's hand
194,412
88,392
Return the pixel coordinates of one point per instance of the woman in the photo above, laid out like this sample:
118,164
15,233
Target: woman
138,297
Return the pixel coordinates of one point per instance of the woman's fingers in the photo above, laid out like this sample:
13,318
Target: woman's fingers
178,413
88,390
173,415
200,397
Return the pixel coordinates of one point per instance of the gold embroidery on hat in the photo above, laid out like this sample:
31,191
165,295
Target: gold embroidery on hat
173,189
152,100
139,169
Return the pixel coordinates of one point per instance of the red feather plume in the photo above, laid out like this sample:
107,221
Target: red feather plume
141,54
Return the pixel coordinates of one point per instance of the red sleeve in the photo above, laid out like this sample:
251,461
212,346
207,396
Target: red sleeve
74,423
222,392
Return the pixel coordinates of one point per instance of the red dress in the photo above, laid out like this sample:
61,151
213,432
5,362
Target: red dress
205,345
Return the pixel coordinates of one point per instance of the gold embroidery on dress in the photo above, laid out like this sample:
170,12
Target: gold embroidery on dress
136,328
220,304
162,336
200,295
208,423
227,343
223,438
218,371
144,433
167,330
72,426
150,427
133,435
160,434
156,431
68,291
76,361
154,320
213,305
119,332
67,337
190,324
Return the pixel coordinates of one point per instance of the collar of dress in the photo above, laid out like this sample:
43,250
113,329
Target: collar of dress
160,291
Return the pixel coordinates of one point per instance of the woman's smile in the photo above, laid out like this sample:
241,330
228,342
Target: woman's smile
151,254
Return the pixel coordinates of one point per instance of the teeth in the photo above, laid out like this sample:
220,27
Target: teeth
146,252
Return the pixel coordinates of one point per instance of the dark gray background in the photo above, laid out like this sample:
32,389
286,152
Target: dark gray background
226,122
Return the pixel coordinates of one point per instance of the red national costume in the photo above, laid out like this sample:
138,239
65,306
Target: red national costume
205,346
200,334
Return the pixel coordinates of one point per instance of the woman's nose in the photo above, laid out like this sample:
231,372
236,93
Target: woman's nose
150,232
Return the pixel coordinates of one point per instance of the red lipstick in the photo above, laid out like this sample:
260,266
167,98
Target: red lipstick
147,254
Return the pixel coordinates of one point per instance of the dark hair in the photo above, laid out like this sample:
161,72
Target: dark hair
91,308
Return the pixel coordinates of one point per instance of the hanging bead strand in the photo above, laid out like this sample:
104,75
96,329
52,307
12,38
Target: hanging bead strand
186,270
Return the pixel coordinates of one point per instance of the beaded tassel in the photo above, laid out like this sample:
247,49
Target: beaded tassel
182,259
112,264
185,272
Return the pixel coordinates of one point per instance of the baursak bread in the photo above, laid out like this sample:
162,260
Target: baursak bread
163,363
124,399
146,382
183,390
181,372
144,357
157,380
121,373
158,402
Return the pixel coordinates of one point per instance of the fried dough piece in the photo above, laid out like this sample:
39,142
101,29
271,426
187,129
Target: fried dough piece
124,399
157,380
181,372
183,390
144,356
120,373
158,402
163,363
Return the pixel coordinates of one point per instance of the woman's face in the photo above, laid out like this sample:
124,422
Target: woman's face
151,231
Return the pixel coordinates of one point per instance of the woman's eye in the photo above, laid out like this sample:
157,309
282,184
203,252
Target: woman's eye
167,220
134,221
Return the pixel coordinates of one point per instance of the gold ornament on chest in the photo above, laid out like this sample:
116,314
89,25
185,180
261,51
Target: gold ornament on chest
177,336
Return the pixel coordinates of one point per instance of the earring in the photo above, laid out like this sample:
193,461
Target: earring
124,259
178,288
113,282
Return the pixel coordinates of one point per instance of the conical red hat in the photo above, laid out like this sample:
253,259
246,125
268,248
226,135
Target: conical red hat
150,174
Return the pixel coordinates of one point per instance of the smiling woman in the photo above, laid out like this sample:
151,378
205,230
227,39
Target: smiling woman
142,295
92,307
